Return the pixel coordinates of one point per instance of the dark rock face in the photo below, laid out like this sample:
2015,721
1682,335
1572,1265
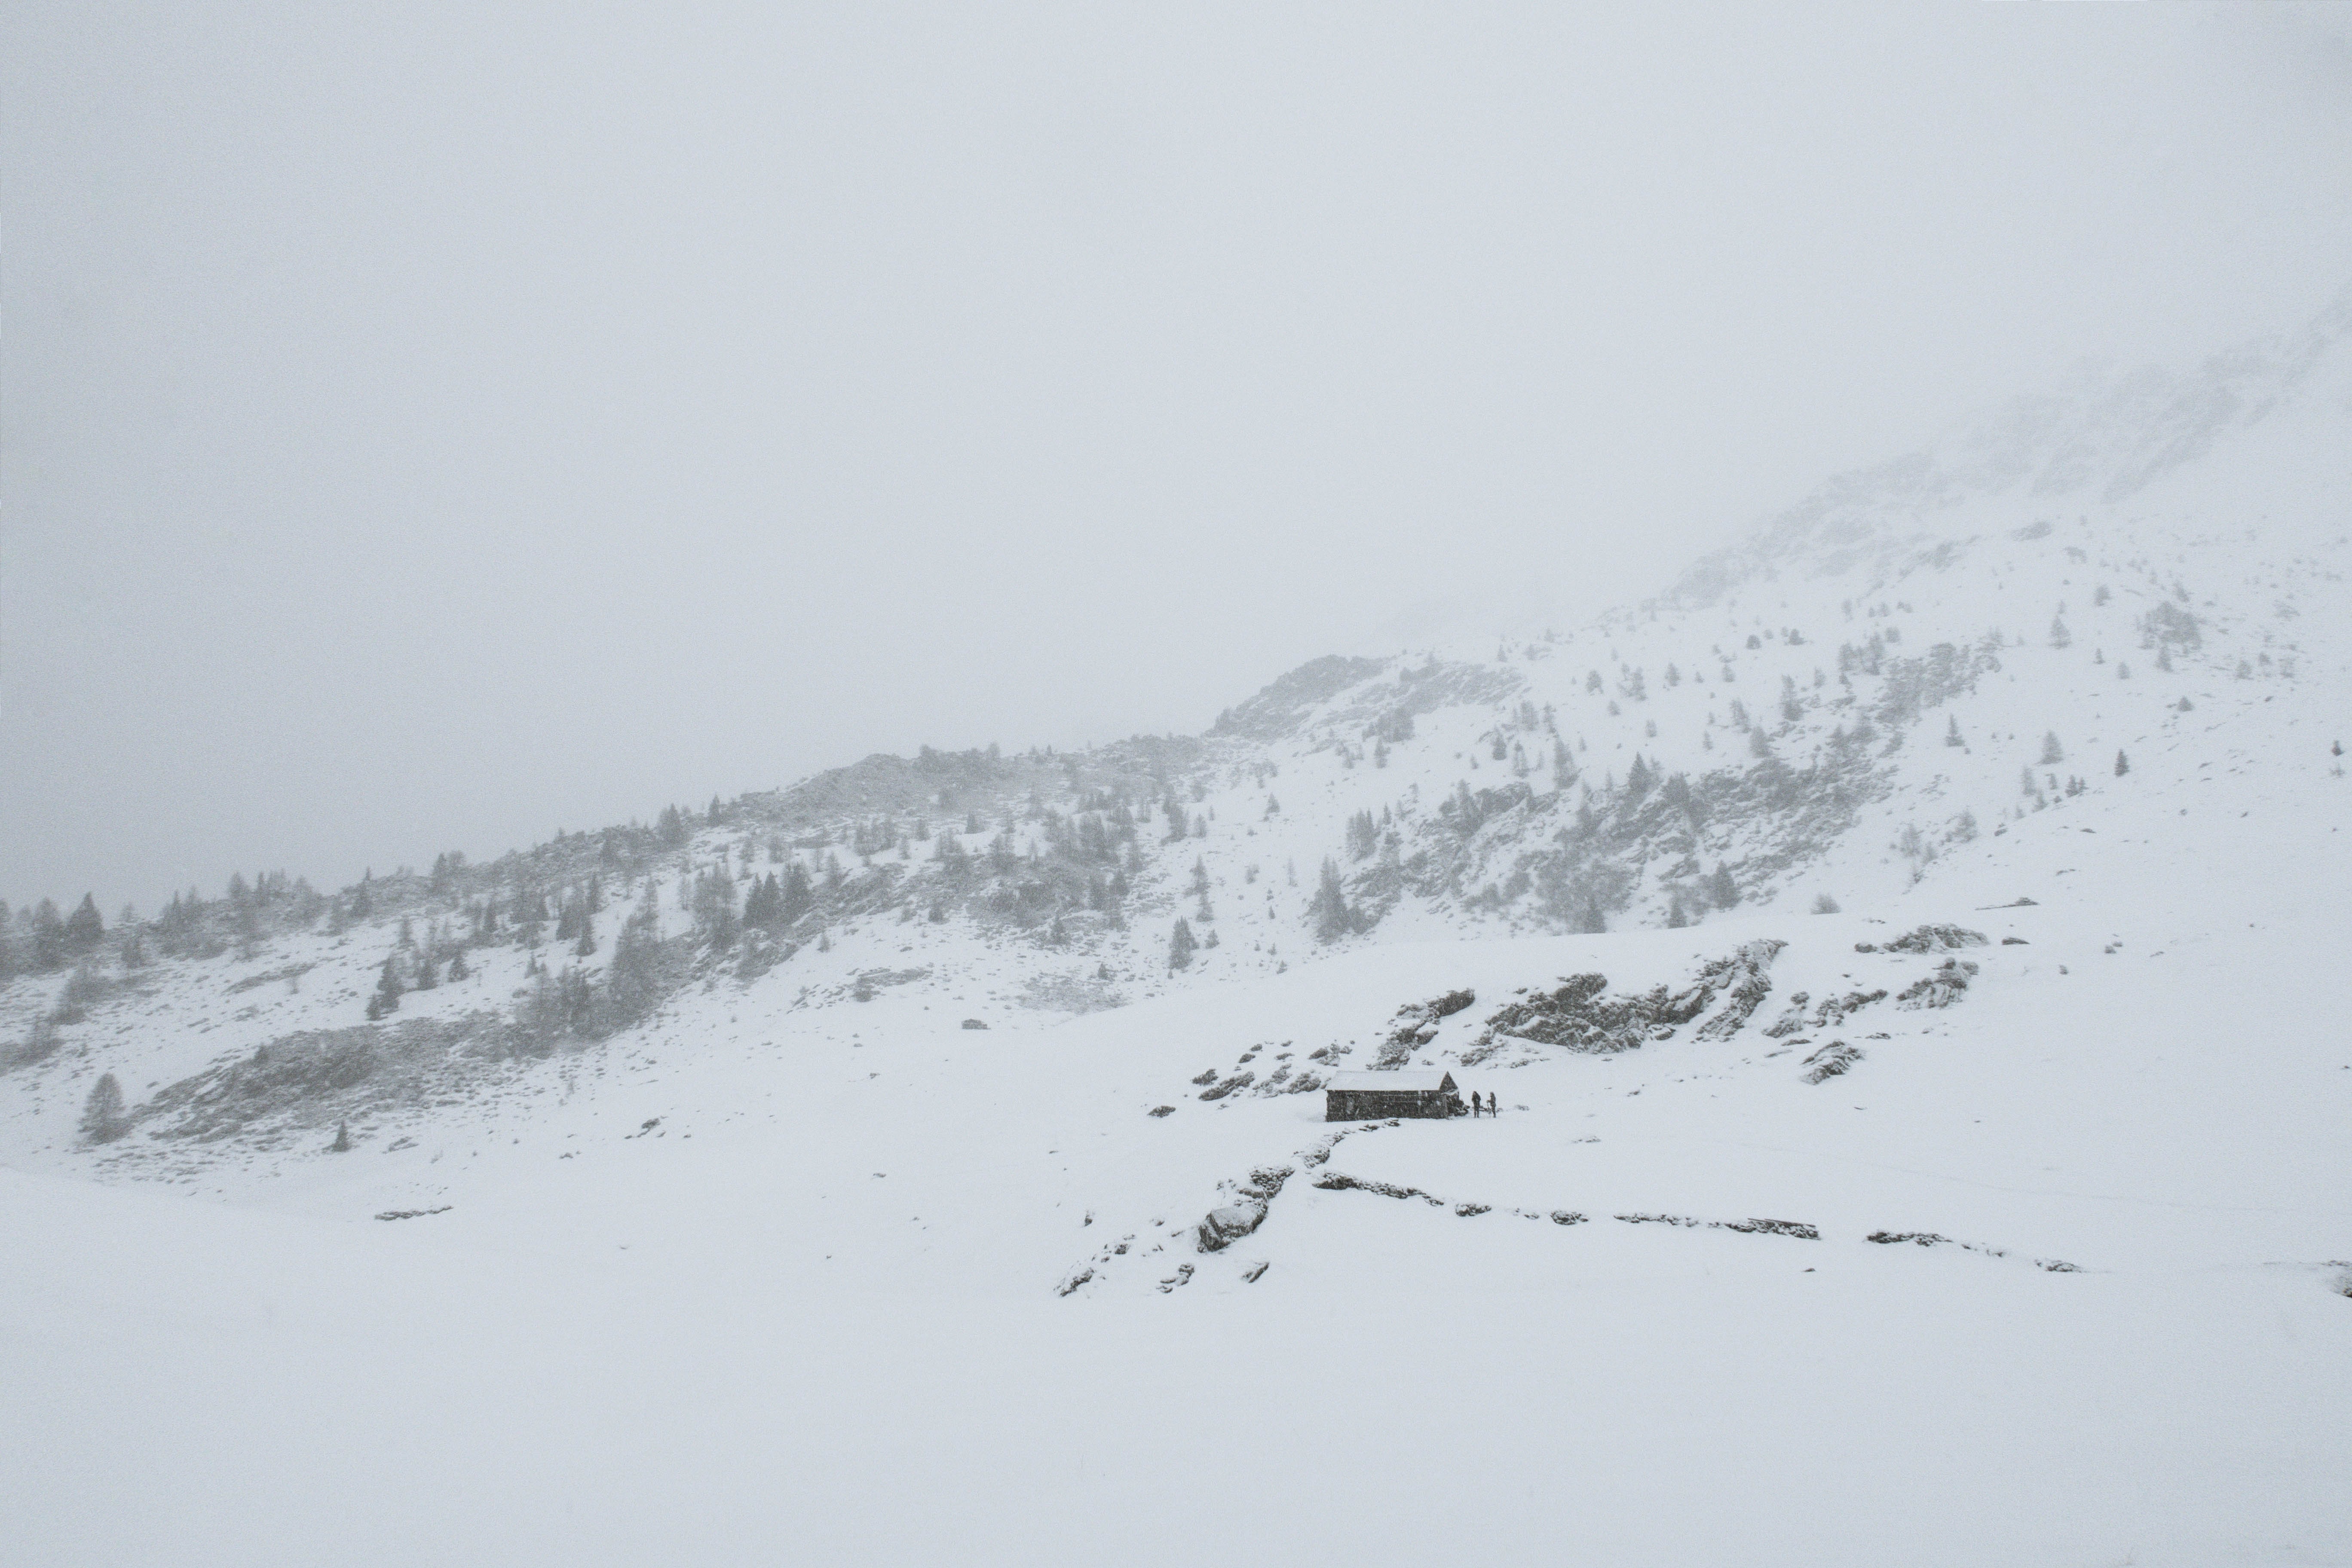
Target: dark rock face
1940,987
1930,1238
1453,1002
1931,938
1266,1181
1578,1016
1220,1227
1832,1012
1225,1086
1830,1061
1340,1182
1744,982
1415,1024
1793,1227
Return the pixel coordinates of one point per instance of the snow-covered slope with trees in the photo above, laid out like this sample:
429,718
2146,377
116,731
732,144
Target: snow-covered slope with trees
1902,953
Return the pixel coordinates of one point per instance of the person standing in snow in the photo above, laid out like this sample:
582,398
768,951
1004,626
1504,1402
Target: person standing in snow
1490,1102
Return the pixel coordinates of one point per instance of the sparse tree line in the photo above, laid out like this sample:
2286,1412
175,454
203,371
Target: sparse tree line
1046,866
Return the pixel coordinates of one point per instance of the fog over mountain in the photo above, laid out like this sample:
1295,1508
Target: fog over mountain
433,429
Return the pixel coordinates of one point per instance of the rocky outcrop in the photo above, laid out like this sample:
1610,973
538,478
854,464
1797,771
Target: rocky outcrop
1742,979
1930,1238
1340,1182
1832,1011
1579,1015
1931,938
1220,1227
1416,1022
1830,1061
1796,1228
1940,987
1224,1225
1225,1086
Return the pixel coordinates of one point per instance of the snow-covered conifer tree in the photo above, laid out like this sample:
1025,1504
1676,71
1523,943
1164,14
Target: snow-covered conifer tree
102,1120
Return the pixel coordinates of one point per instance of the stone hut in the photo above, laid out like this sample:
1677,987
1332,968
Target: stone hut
1376,1096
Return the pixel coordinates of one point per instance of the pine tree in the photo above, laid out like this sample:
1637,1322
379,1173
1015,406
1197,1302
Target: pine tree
1721,890
714,909
633,980
85,927
2052,752
587,945
1328,908
343,1143
387,991
102,1120
2123,765
1180,945
1675,917
1952,733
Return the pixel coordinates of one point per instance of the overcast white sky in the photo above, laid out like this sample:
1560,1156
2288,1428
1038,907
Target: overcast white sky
429,425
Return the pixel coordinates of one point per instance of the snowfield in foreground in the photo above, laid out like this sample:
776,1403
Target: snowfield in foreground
805,1315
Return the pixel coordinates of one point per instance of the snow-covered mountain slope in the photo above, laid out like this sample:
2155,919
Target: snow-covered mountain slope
1999,1215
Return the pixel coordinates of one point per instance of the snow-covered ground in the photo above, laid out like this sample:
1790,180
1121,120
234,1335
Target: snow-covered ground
804,1269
